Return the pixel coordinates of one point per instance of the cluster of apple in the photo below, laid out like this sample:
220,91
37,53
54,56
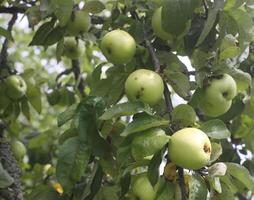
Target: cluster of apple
189,148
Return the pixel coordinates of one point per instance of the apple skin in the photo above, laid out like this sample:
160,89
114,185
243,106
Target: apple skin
73,49
118,46
142,188
217,98
144,85
157,26
15,87
18,149
190,148
147,143
80,23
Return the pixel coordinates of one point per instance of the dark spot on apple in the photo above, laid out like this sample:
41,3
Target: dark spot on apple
225,94
138,96
142,89
207,148
109,51
135,78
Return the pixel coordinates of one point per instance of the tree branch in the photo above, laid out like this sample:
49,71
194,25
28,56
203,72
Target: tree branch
181,183
4,53
13,192
12,10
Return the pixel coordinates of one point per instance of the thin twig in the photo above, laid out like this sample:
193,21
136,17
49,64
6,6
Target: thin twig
77,75
181,183
12,10
65,72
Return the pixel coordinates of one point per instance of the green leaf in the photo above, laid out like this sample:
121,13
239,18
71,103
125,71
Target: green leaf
62,10
242,174
215,129
153,167
142,122
25,108
59,50
216,152
34,96
72,161
176,14
179,82
243,79
94,6
41,33
6,34
55,35
125,109
67,115
5,179
96,183
197,188
212,14
217,169
165,190
86,122
125,184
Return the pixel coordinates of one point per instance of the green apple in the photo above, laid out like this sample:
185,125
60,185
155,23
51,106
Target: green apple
190,148
218,95
183,115
18,149
142,188
80,23
144,85
157,26
118,46
73,48
148,143
15,87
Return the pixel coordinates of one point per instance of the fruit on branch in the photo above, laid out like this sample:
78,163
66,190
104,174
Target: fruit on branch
79,23
147,143
142,188
189,148
18,149
144,85
217,96
157,26
118,46
183,115
73,48
15,87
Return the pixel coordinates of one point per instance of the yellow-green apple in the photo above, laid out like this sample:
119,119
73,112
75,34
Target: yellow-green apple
79,23
73,48
118,46
18,149
15,87
142,188
157,26
190,148
218,95
144,85
147,143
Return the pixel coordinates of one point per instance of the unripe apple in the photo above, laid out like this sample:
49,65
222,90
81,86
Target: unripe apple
147,143
118,46
80,23
218,95
18,149
144,85
190,148
73,48
157,26
183,115
142,188
15,87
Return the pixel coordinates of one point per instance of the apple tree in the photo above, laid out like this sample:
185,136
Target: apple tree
126,99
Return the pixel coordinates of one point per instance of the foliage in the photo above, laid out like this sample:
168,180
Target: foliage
76,122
